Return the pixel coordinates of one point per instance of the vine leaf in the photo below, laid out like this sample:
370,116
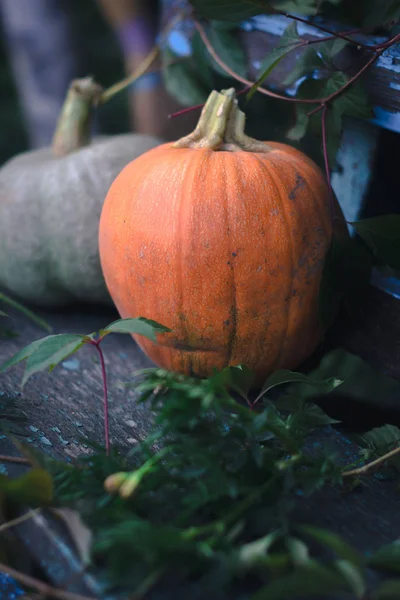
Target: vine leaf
353,101
34,488
138,326
388,590
240,379
310,578
354,577
227,47
381,440
382,235
387,558
182,79
299,7
305,64
45,353
335,543
283,376
230,10
289,41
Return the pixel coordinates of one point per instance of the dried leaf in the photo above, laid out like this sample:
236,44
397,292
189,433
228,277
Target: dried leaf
80,533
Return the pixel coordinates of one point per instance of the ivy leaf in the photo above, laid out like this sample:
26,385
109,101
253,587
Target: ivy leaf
382,235
230,10
352,102
289,41
354,577
45,353
381,440
306,64
311,88
182,80
309,579
298,551
240,379
139,326
283,376
335,543
389,590
387,558
253,552
227,47
299,7
33,488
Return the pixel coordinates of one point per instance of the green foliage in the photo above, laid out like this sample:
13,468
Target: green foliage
46,353
289,41
382,235
34,488
387,558
208,496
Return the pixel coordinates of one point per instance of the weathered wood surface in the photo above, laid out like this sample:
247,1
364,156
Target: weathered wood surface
66,406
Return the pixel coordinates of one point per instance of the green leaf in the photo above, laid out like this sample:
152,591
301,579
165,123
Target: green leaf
228,48
314,415
25,311
353,575
306,64
284,376
230,10
352,102
139,326
387,558
45,353
381,440
388,590
240,379
335,543
299,7
254,552
382,235
309,89
298,551
311,579
289,41
34,487
182,80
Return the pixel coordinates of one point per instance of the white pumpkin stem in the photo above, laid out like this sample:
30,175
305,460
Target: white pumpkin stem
74,127
221,127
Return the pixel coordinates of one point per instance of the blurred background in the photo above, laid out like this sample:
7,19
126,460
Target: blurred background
92,49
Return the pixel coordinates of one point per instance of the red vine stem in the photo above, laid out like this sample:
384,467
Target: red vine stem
320,101
342,35
105,397
96,344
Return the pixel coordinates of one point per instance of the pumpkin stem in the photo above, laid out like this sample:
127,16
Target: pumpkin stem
221,127
73,129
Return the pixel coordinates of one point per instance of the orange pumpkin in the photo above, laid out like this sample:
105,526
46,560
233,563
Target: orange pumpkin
222,239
